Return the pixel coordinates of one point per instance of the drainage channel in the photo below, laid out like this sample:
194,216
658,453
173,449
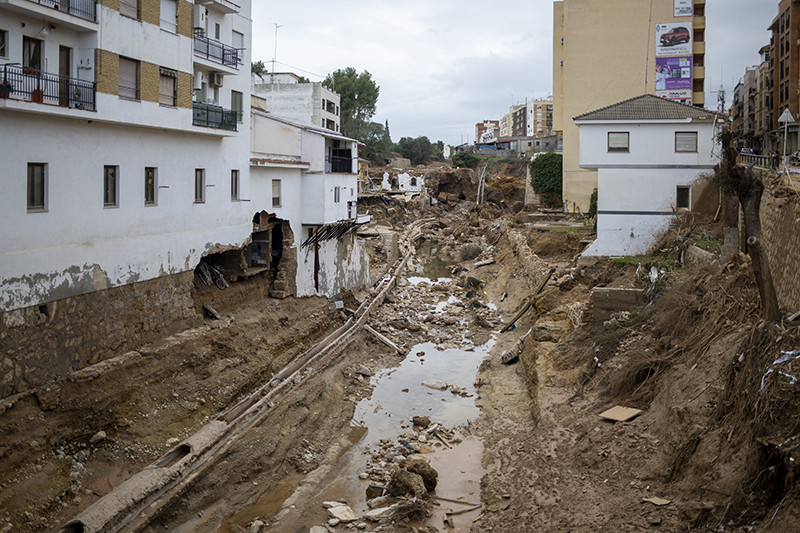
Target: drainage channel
380,420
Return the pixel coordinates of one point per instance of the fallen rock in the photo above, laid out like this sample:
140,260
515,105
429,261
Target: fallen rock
376,515
469,252
318,529
380,501
428,474
97,437
436,384
405,483
343,513
421,421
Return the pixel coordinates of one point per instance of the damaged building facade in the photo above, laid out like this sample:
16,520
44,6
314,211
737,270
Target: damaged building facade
126,157
304,180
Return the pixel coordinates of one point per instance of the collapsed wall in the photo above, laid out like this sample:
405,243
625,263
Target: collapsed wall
780,227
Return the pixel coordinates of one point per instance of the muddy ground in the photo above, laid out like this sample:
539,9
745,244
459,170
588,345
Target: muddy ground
715,447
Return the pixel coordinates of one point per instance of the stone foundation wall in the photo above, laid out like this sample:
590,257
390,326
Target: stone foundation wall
780,226
41,344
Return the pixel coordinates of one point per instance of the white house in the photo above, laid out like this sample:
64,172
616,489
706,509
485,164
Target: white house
304,180
125,155
312,103
648,153
408,183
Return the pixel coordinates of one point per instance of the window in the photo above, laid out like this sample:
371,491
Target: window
236,104
110,186
682,197
3,43
336,194
276,193
199,185
37,186
234,184
237,40
618,141
686,141
167,87
128,78
150,185
216,30
129,8
169,15
31,55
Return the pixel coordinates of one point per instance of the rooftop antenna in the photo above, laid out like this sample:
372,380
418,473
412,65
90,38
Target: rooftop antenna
275,52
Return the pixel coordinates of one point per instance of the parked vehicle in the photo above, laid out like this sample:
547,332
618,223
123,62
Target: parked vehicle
677,35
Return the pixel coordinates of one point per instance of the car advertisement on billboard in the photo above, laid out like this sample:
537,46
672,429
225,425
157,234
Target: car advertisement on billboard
683,8
674,61
674,39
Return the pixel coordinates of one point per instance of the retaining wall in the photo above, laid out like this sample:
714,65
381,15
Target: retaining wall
780,227
42,343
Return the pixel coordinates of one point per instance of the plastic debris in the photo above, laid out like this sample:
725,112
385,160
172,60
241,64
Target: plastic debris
786,356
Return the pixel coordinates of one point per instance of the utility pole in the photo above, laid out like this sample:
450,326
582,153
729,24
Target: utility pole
275,52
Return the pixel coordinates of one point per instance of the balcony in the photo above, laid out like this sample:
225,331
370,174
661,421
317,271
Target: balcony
223,6
213,116
85,9
25,84
216,51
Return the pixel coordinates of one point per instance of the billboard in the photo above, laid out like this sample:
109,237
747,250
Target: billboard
683,8
674,61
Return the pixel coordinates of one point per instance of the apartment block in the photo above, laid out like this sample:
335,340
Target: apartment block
285,95
126,153
785,69
605,52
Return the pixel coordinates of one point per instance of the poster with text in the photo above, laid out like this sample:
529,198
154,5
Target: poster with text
674,39
673,73
683,8
682,96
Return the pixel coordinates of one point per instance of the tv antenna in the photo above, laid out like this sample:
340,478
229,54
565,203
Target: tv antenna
275,51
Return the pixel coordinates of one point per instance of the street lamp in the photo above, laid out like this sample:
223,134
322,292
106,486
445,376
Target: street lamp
785,118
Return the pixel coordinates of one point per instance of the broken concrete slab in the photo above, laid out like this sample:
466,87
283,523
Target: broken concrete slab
657,501
342,513
619,413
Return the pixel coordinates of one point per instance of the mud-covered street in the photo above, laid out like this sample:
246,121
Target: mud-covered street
414,421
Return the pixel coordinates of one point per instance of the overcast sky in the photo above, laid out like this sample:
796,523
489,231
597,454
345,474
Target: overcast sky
444,65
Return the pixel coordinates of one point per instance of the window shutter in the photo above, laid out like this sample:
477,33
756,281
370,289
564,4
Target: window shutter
128,86
686,141
618,141
129,8
169,15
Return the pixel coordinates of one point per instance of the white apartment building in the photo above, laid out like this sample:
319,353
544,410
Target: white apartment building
285,95
125,148
304,181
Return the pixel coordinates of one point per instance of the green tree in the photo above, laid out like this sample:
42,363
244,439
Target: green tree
378,144
359,99
465,160
419,150
258,67
546,177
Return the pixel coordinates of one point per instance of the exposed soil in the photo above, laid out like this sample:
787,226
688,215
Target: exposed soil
716,439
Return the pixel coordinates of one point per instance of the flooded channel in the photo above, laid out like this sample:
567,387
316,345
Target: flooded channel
398,395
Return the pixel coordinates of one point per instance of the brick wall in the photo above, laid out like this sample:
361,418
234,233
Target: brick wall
106,71
185,18
148,82
110,4
41,344
185,90
150,11
780,226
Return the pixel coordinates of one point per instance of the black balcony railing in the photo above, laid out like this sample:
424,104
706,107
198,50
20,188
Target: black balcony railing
213,116
23,83
85,9
215,50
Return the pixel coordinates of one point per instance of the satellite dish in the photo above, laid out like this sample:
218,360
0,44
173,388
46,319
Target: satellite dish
786,117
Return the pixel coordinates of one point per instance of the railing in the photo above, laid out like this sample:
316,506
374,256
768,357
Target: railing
85,9
215,50
764,161
213,116
339,165
23,83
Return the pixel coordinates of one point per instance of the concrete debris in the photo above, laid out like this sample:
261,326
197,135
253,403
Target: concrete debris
98,437
381,513
429,475
436,384
342,513
405,483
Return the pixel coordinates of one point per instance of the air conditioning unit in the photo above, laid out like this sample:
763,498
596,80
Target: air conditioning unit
215,79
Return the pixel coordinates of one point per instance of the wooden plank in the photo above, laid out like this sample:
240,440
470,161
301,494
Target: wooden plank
619,413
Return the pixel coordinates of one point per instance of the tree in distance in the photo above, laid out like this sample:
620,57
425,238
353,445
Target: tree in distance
359,99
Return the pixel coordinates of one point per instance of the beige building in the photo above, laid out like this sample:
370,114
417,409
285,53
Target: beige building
606,52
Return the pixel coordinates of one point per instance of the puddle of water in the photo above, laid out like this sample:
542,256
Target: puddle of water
460,473
416,280
433,266
439,309
389,407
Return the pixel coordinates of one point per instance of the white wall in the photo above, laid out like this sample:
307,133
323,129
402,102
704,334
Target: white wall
404,182
77,245
344,264
651,144
634,206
